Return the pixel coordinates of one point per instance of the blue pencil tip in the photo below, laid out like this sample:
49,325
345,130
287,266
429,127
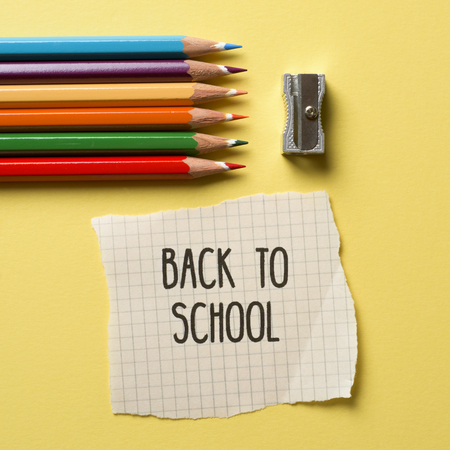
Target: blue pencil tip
232,46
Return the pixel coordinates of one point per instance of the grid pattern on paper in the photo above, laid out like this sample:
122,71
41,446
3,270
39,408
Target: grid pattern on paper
313,315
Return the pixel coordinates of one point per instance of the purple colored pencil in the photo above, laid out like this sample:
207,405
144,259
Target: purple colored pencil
139,71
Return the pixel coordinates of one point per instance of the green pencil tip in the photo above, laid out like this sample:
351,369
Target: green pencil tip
238,142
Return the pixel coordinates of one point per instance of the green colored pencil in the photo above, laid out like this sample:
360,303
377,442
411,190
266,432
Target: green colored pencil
112,143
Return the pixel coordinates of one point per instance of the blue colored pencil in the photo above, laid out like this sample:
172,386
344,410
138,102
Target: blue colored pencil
107,48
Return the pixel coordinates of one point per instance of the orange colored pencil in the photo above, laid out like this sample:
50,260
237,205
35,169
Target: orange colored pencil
111,95
119,119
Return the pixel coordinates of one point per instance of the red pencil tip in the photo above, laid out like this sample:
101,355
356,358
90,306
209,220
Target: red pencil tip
240,92
237,117
232,166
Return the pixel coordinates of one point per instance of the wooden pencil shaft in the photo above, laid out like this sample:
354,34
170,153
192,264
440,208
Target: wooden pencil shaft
109,119
137,177
106,48
111,95
97,143
138,71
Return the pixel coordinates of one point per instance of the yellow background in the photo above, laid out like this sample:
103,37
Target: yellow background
386,169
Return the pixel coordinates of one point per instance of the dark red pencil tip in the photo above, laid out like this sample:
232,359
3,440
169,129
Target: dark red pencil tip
232,166
235,69
237,117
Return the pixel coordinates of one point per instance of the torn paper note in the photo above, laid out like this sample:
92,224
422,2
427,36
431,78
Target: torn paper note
227,309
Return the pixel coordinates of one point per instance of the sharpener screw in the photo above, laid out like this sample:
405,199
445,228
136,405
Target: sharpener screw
311,112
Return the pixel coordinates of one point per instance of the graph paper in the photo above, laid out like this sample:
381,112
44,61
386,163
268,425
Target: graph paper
296,343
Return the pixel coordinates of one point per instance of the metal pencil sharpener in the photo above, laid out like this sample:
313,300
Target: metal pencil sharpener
303,134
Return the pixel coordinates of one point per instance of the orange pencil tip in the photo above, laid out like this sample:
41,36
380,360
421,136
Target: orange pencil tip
240,92
232,166
237,117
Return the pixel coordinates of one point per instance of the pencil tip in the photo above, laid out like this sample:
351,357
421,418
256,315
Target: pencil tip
237,142
234,69
231,46
237,117
235,92
232,166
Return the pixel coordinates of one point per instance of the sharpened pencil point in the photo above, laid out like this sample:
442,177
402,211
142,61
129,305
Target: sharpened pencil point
234,69
232,166
232,46
238,142
224,46
237,117
236,92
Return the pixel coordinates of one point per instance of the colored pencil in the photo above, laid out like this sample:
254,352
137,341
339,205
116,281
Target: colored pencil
130,143
109,168
104,119
111,95
139,71
106,47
